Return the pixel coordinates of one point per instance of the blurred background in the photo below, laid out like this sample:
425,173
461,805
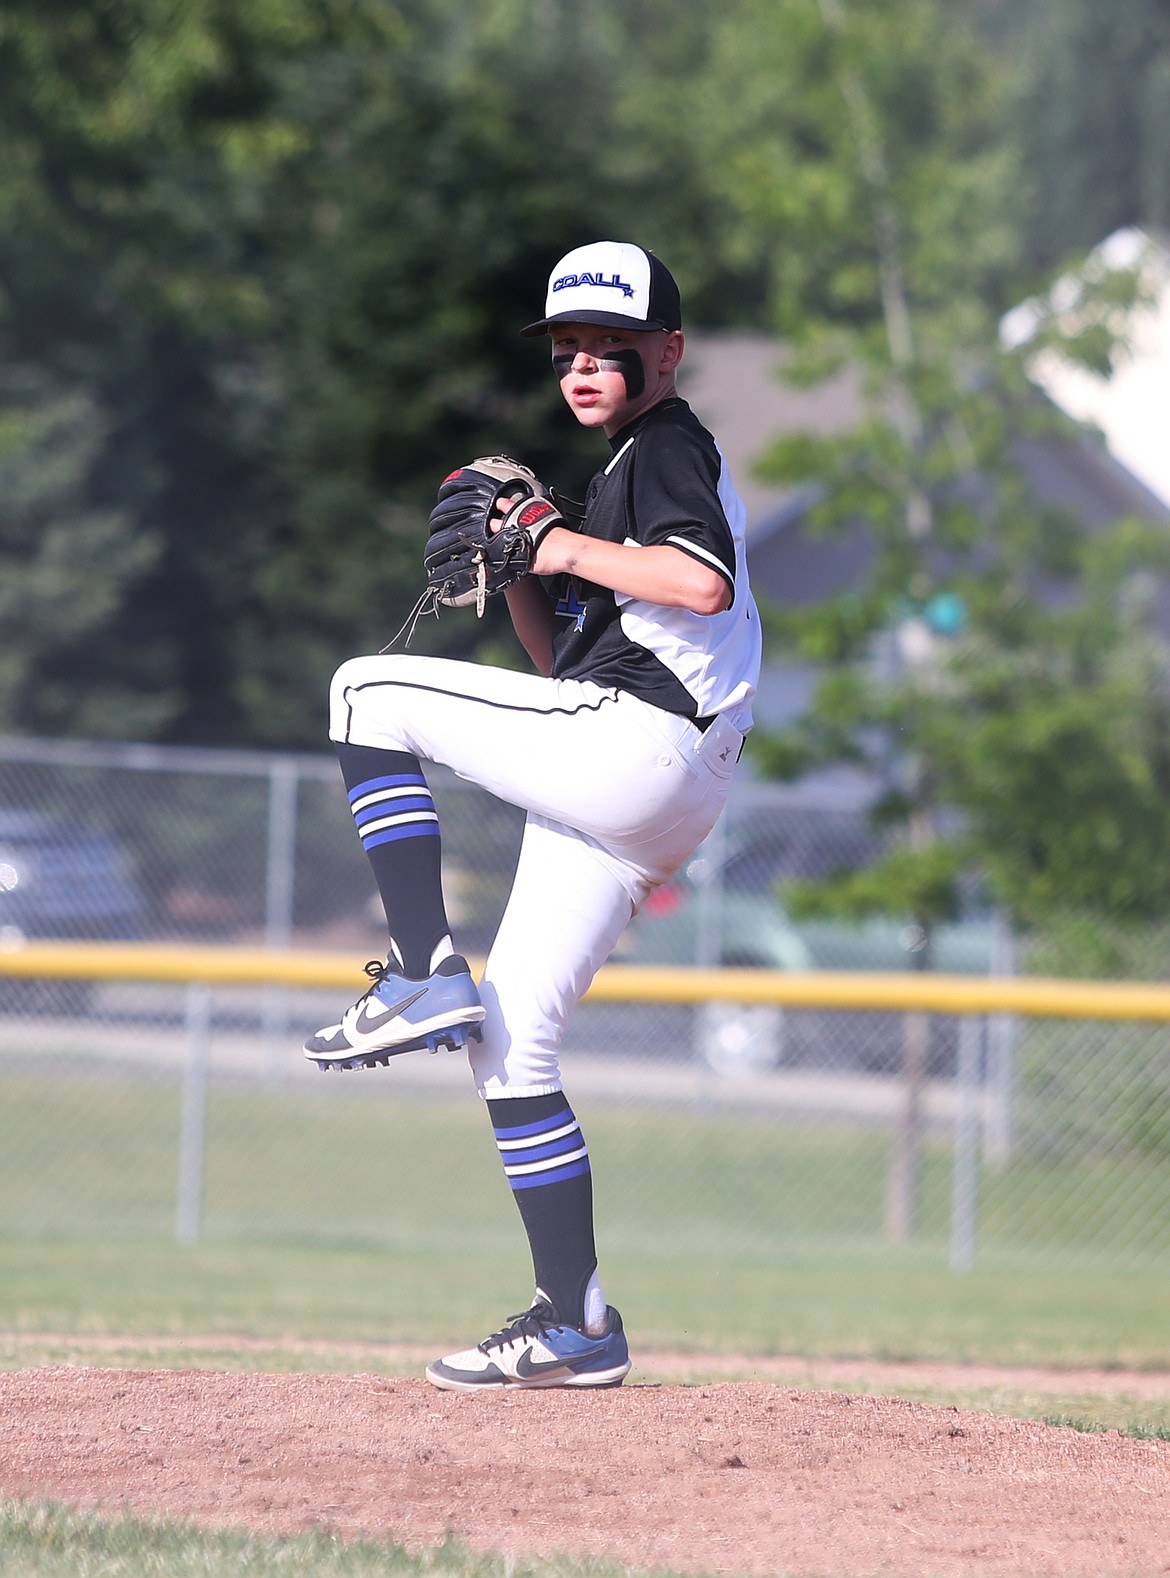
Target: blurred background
262,268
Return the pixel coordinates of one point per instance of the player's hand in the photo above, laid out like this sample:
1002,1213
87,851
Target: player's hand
485,530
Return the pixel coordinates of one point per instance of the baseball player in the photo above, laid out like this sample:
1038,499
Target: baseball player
639,622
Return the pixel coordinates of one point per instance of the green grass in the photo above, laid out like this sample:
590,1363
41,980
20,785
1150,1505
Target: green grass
87,1155
50,1541
1094,1421
152,1288
347,1215
291,1297
1143,1418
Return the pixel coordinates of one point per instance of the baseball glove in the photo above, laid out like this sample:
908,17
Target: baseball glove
485,530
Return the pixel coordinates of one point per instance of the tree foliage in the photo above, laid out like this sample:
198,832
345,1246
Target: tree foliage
999,661
265,261
1089,117
284,249
63,562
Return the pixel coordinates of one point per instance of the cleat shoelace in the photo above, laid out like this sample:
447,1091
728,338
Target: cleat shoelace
377,972
535,1322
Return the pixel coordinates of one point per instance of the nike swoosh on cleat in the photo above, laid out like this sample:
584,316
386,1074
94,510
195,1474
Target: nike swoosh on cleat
364,1025
527,1367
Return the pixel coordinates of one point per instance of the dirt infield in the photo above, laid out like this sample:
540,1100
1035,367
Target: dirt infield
748,1477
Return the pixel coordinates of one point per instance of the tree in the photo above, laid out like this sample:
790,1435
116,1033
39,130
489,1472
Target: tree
277,249
879,162
124,281
282,248
1090,114
63,562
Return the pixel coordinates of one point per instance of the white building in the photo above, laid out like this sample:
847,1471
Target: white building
1132,406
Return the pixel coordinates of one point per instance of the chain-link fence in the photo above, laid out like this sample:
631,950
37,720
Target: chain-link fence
754,1131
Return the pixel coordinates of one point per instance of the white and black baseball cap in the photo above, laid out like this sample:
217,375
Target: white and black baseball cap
612,283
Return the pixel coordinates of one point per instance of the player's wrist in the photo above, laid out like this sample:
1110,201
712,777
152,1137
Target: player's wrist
535,517
554,551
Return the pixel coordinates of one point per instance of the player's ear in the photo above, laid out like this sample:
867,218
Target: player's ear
672,350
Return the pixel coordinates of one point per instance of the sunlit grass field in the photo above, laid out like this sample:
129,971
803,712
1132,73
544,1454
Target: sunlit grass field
48,1541
339,1218
351,1216
412,1295
84,1155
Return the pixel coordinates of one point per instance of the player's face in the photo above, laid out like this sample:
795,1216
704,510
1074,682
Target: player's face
609,376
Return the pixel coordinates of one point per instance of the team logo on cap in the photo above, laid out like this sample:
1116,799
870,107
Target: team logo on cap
566,281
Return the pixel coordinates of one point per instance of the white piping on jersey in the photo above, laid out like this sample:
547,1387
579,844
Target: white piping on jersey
618,455
715,657
701,553
690,547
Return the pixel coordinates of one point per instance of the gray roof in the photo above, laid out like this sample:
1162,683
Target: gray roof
733,382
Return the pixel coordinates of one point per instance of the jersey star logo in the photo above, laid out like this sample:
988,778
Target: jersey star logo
571,607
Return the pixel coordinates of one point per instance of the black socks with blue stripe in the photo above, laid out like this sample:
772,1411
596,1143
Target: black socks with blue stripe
541,1145
399,828
547,1164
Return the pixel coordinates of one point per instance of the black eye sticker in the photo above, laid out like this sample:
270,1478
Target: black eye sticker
625,360
629,364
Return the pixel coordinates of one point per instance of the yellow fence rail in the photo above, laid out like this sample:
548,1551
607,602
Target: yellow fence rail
1031,996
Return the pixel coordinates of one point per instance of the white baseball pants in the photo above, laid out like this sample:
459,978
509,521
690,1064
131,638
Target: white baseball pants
618,794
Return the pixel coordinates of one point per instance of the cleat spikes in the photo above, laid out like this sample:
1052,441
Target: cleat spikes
450,1040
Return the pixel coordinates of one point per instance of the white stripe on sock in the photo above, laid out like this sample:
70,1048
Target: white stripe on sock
518,1169
407,792
537,1139
400,820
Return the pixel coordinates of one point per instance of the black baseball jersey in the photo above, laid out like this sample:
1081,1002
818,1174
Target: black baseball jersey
666,482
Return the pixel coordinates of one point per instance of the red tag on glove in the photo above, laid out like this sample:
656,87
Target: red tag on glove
534,512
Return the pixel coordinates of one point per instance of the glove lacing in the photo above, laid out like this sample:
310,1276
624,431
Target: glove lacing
426,604
429,604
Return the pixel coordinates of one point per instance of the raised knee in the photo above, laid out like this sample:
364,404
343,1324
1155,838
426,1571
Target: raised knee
350,673
345,692
358,671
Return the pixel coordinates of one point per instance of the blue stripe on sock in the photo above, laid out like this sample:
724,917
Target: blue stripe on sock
394,782
537,1153
558,1175
392,808
411,830
542,1126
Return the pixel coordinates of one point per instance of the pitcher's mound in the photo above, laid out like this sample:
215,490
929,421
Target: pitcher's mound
736,1478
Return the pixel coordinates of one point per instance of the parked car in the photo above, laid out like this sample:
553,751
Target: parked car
61,880
727,908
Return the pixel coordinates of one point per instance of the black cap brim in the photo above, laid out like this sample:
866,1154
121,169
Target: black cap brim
605,320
